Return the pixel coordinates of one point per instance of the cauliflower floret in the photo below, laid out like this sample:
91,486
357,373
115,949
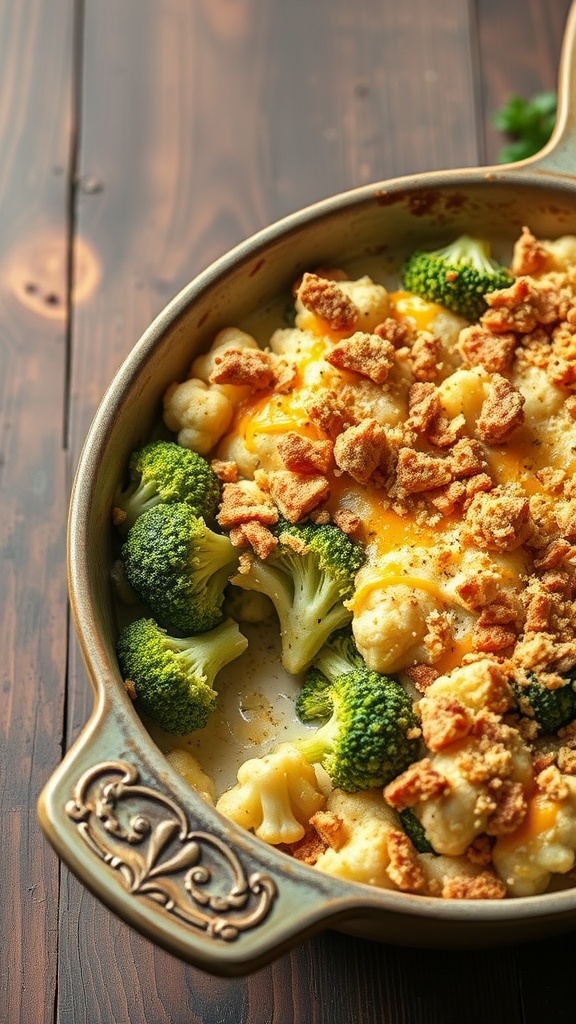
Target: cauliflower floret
389,625
541,398
544,845
454,818
462,394
203,365
476,686
562,253
292,342
372,300
446,326
275,797
368,821
189,767
198,413
232,448
459,878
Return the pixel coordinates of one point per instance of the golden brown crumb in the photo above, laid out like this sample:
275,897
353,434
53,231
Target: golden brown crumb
330,828
329,412
529,256
553,555
567,760
449,498
551,782
321,516
522,307
118,516
570,406
346,520
481,347
404,868
538,612
423,406
363,451
422,676
467,457
485,886
130,688
242,502
309,848
489,757
368,354
243,366
302,455
561,368
480,850
541,761
255,535
285,375
444,432
502,411
439,637
226,471
493,639
479,590
297,494
425,356
419,471
328,302
419,782
510,807
397,332
498,520
444,721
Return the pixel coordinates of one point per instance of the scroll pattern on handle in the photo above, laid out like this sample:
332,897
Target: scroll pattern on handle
144,835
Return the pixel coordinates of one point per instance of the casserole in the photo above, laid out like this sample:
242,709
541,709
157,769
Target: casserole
115,811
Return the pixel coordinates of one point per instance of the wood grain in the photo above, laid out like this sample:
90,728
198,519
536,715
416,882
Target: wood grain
233,118
534,38
35,123
139,140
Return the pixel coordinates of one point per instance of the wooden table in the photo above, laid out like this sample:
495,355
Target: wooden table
139,139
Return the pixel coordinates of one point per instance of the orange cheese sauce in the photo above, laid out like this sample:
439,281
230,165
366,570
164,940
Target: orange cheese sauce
423,313
271,415
540,818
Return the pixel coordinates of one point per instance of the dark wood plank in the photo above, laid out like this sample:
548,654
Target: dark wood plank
35,120
202,122
519,53
546,993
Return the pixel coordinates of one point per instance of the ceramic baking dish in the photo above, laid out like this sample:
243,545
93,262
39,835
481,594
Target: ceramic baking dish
115,811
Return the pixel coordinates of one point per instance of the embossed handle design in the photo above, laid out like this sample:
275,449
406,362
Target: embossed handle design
167,863
146,836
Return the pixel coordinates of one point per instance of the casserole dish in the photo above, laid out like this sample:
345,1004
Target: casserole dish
115,811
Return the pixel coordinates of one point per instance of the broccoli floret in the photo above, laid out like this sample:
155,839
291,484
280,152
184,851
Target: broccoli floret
339,655
314,699
365,742
171,678
550,709
457,276
308,579
179,567
163,471
415,831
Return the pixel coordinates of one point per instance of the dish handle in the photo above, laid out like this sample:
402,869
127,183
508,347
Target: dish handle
170,865
559,155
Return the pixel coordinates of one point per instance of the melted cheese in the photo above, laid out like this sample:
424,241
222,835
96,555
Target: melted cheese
540,818
423,313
